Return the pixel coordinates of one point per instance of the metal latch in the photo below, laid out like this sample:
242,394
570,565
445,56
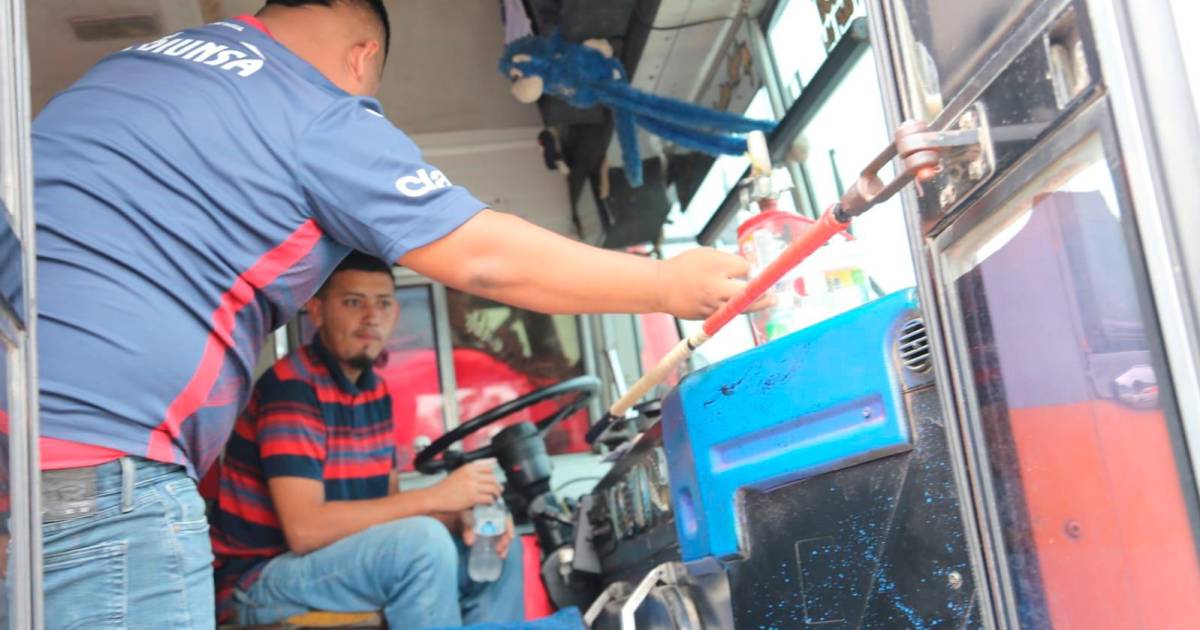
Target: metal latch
968,158
949,160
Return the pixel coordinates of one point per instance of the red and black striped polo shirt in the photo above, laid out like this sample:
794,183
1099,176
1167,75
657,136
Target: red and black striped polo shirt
304,419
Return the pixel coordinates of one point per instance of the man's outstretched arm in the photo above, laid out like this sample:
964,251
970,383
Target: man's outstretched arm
503,257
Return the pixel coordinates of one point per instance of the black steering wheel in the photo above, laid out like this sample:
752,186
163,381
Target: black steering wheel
436,458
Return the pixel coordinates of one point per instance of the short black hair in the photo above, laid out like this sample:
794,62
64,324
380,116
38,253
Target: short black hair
376,7
358,261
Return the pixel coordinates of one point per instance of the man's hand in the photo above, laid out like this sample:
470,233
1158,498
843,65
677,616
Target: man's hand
694,284
502,545
472,484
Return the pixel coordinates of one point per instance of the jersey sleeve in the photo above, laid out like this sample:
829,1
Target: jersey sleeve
290,430
369,187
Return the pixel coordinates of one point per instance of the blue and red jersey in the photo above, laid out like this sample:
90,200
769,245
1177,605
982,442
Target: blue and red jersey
305,419
192,192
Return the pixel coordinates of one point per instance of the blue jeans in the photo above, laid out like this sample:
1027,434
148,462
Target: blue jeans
141,559
411,569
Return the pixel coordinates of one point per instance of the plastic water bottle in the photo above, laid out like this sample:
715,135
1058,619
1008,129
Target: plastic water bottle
484,563
761,240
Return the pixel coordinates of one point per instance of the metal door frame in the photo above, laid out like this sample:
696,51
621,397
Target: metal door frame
1140,55
1092,120
888,67
16,177
1158,140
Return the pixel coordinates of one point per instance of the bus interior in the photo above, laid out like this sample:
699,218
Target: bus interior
984,411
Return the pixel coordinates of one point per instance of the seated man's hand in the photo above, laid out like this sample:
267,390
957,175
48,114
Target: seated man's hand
505,542
502,545
472,484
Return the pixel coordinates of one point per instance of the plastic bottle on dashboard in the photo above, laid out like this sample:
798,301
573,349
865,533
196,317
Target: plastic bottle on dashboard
484,563
761,240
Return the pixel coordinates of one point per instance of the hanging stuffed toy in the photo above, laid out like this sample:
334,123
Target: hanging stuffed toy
587,74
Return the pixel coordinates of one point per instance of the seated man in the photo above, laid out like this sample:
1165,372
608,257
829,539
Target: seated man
309,515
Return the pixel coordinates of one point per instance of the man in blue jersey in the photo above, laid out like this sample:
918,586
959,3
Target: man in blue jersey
192,192
308,516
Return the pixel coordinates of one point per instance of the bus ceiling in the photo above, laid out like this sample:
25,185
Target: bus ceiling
442,88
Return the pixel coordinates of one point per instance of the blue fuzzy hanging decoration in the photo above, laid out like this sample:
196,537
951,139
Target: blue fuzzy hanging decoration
586,75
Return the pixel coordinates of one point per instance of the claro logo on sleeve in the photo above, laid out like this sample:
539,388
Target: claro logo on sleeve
422,183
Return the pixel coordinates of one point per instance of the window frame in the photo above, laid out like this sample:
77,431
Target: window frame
18,324
853,44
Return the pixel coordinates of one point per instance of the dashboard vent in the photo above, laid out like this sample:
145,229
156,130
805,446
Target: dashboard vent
913,346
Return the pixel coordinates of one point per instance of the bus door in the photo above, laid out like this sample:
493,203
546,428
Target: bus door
20,549
1052,241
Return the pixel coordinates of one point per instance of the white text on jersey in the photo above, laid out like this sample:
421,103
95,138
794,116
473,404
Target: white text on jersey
422,183
208,53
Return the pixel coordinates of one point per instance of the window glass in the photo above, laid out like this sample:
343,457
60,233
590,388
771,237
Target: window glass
1074,406
1185,12
12,269
413,375
946,42
7,176
795,38
660,335
502,352
845,134
873,258
760,108
723,177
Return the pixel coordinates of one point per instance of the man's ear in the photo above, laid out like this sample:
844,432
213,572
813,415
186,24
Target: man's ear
313,308
364,61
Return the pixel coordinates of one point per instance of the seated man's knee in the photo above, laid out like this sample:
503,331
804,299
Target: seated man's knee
422,543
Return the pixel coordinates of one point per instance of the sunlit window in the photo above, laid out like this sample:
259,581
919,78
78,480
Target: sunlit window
842,135
846,133
795,38
723,177
8,184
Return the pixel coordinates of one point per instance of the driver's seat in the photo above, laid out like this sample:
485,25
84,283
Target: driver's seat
345,621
